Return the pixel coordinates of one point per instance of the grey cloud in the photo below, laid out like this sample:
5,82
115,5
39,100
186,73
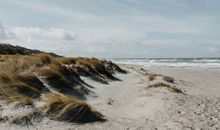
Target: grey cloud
3,35
99,44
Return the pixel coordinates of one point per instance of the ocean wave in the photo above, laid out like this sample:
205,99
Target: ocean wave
172,62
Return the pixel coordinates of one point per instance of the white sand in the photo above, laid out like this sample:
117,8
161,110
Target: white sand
129,104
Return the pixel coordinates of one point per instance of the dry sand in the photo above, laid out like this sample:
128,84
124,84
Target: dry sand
129,104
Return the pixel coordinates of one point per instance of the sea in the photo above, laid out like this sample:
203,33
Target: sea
170,62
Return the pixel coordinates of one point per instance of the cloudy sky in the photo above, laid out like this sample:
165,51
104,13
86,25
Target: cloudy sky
114,28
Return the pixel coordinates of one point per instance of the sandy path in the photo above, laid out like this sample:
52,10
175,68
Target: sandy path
123,102
127,104
127,98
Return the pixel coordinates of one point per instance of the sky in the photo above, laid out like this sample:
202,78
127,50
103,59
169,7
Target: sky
114,28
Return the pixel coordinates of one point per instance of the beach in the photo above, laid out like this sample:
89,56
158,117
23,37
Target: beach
130,104
135,107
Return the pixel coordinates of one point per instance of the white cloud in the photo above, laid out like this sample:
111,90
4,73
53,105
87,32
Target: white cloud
69,42
115,42
52,39
35,34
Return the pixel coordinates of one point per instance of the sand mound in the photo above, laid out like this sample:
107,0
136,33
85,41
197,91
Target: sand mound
26,75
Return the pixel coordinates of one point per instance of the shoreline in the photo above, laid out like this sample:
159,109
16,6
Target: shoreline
164,67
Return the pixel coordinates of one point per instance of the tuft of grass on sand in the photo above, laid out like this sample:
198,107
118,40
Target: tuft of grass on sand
58,76
19,92
20,100
152,77
168,79
66,108
96,69
23,120
32,80
21,63
66,61
27,120
25,89
164,85
6,77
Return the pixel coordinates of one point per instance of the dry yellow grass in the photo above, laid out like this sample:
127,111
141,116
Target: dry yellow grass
31,80
17,72
20,100
22,69
9,94
66,61
26,120
164,85
100,66
20,63
94,68
58,76
88,61
6,77
70,109
21,82
24,89
45,58
9,82
152,77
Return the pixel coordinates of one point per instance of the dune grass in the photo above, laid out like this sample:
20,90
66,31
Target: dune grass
59,72
66,108
25,89
21,83
26,120
54,69
21,63
66,60
32,80
6,77
152,77
13,94
10,84
164,85
168,79
23,120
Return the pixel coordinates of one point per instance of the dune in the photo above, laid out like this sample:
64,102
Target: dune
29,77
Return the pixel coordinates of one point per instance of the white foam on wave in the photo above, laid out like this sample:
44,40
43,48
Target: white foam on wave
181,62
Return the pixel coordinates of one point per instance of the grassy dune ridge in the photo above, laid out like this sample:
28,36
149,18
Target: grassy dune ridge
26,75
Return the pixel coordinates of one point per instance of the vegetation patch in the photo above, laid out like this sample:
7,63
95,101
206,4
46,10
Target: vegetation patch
66,108
26,74
27,120
152,77
164,85
168,79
